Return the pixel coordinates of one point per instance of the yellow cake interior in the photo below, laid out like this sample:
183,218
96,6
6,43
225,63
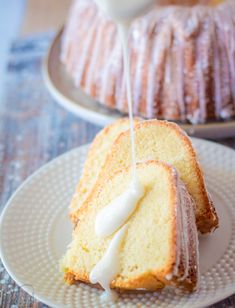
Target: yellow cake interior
149,248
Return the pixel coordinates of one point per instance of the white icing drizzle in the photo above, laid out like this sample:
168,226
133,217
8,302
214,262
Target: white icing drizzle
226,68
121,10
94,58
108,267
230,44
168,70
180,87
83,57
71,36
217,76
182,252
186,236
115,214
231,49
153,87
197,31
169,276
184,231
119,82
105,84
195,117
202,96
123,28
138,72
178,241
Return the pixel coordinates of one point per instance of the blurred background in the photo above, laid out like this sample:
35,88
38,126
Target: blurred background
20,18
33,128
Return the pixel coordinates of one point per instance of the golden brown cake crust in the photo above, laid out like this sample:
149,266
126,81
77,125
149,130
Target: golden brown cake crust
152,280
97,149
207,220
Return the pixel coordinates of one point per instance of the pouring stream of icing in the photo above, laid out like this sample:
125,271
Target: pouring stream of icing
115,214
123,29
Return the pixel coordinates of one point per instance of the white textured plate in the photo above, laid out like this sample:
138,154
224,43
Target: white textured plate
35,230
75,100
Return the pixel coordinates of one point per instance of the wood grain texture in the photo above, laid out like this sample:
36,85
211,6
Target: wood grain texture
34,130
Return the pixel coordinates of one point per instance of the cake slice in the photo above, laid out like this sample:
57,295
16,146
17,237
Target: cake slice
167,142
160,245
95,160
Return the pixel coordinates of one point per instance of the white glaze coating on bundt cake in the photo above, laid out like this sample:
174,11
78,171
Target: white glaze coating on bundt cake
182,60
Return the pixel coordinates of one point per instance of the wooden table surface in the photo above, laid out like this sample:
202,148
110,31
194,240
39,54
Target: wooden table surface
34,130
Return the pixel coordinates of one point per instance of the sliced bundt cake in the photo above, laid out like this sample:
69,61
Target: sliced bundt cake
167,142
182,59
160,243
95,160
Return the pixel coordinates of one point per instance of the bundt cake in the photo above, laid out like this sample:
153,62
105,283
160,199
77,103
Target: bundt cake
95,161
159,246
167,142
182,59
